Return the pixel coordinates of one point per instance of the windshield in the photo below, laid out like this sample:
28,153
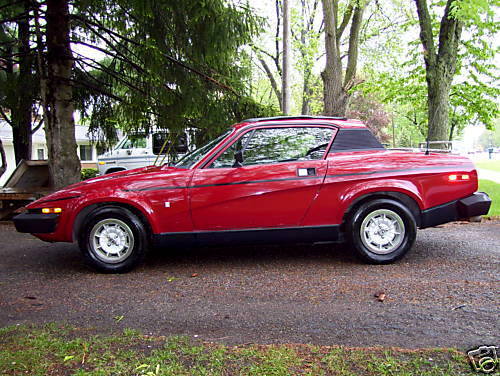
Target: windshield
133,141
190,159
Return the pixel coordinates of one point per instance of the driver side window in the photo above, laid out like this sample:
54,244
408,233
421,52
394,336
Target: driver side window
274,145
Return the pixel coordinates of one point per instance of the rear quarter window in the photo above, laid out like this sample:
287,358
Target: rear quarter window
354,139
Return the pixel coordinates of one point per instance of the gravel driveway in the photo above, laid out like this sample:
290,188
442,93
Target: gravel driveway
444,293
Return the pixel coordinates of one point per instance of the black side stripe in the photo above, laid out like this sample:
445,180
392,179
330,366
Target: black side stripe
154,188
59,199
221,184
396,170
294,178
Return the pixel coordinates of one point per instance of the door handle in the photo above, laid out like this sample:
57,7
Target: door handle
311,171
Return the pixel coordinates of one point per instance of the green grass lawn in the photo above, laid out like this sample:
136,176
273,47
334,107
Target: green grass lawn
489,165
493,190
60,350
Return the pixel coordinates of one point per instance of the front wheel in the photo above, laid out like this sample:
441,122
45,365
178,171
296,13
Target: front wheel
113,240
381,231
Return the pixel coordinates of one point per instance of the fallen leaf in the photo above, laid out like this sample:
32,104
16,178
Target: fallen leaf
380,296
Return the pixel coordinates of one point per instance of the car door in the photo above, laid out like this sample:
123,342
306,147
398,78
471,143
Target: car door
281,172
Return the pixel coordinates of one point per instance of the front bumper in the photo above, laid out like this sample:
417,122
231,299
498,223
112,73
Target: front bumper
476,204
36,223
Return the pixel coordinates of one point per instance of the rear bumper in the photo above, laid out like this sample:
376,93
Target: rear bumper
35,223
476,204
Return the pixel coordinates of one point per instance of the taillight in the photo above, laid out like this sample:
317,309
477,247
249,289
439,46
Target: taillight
458,177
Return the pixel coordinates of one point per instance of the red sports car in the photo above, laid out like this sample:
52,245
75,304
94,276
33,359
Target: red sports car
283,179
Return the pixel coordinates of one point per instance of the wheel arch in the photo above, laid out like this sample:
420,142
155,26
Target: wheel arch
400,197
87,210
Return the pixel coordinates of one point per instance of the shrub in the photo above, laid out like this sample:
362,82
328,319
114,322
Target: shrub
88,173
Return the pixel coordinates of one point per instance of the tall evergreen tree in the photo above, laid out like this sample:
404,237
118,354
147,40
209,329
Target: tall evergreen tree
156,64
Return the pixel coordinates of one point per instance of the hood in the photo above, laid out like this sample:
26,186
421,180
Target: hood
107,183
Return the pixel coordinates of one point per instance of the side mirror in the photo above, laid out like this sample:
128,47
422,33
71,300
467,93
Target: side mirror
238,159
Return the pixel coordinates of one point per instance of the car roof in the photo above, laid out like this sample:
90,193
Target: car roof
340,122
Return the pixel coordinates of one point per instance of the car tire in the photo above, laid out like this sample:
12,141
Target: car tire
381,231
113,240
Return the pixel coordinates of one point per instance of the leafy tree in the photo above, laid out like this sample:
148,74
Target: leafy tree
442,52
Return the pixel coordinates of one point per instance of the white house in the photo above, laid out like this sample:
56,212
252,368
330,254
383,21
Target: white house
86,151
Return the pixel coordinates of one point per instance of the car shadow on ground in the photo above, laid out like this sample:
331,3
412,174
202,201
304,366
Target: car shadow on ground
64,258
250,255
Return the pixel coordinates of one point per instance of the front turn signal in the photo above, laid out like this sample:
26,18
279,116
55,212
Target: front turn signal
51,210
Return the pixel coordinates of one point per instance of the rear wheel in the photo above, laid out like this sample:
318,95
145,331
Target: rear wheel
381,231
113,240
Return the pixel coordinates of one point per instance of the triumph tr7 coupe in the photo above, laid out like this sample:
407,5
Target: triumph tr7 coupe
268,180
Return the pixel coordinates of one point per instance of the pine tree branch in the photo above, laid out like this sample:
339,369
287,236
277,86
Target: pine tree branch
117,56
11,4
111,44
112,33
97,88
201,74
96,65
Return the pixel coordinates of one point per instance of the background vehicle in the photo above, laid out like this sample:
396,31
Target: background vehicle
284,179
140,150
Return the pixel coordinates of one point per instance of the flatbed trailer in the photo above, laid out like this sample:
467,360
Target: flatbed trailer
27,183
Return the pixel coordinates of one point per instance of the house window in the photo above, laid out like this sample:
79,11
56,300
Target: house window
85,152
40,153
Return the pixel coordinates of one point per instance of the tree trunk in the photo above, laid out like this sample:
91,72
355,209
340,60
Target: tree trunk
21,114
440,66
286,58
334,96
438,106
306,94
335,86
3,166
64,165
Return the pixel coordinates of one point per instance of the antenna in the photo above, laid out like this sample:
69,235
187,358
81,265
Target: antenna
427,146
